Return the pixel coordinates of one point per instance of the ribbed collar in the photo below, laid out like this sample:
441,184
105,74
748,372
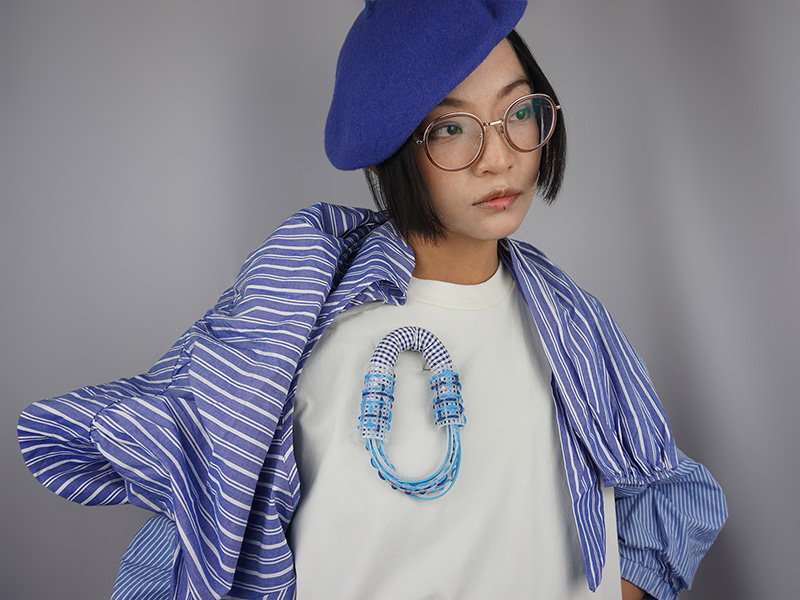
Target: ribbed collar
463,297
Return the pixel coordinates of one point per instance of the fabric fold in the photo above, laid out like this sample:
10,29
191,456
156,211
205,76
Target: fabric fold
610,403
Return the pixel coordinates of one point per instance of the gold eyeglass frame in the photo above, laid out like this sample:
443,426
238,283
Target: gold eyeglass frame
423,140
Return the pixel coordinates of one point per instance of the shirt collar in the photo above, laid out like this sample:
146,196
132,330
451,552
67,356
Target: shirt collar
381,269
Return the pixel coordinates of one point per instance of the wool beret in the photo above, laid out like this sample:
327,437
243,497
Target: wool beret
399,60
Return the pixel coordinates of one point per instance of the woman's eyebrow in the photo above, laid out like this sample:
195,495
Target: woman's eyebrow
454,102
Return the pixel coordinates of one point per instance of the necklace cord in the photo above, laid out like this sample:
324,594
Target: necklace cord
377,399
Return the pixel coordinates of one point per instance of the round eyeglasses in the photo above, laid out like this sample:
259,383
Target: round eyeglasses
456,140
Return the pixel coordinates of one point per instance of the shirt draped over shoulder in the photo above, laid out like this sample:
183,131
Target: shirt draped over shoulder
205,437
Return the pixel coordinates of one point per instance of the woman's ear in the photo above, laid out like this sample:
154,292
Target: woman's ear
374,170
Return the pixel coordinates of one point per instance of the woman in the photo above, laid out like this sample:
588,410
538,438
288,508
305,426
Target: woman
244,436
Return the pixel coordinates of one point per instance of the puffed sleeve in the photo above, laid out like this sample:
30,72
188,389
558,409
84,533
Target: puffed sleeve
665,528
187,440
59,441
203,438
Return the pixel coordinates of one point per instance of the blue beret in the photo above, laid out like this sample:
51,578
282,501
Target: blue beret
400,59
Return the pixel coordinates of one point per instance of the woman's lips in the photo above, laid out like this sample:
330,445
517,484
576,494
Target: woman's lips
498,201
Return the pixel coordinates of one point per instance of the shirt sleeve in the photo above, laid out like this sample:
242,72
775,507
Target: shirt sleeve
666,528
208,409
192,437
204,437
58,440
188,440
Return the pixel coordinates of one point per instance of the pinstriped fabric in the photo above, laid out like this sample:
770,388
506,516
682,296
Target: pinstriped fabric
205,437
605,401
584,487
146,567
611,404
688,507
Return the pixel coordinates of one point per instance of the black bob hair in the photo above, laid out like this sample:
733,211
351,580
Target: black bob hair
400,192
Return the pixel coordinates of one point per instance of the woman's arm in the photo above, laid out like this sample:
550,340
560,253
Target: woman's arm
630,591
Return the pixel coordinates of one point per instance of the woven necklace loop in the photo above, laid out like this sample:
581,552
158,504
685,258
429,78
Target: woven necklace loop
448,409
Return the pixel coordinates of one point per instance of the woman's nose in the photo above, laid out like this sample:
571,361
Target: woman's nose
497,155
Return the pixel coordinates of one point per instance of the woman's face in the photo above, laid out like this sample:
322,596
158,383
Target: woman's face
489,199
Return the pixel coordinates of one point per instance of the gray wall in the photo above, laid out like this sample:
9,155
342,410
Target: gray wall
146,147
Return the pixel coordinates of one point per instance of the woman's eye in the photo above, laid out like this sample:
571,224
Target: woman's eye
445,130
522,113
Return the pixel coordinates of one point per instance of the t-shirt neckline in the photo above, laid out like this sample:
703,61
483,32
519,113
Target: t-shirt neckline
464,297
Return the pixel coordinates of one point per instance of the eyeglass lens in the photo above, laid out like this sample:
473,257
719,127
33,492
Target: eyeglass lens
454,141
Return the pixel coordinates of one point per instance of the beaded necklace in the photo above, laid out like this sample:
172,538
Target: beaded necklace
448,410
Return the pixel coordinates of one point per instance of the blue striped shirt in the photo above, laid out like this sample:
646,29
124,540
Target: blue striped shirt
205,437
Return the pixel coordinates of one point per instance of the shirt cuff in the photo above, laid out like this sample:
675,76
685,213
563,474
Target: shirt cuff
647,579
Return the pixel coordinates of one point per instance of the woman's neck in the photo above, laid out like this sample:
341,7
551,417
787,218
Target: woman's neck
454,261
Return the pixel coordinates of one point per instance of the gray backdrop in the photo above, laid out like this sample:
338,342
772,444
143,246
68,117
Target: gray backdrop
146,147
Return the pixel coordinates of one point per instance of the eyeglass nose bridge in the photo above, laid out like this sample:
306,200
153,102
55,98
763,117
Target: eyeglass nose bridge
485,126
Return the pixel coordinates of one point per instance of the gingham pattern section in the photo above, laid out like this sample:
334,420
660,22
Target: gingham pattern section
409,338
205,437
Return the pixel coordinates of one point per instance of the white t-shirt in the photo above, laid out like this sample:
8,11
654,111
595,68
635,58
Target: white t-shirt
505,529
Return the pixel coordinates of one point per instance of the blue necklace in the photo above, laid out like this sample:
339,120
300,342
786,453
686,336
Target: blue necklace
448,410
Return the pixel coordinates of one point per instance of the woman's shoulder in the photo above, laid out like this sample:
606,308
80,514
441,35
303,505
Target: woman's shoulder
530,260
333,219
